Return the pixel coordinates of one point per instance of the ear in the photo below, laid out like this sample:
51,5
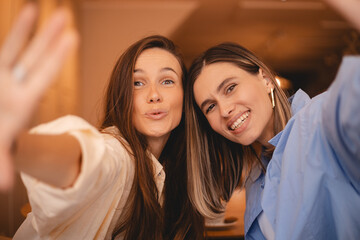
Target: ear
266,80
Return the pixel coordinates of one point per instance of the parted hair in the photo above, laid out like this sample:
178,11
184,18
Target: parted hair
145,217
216,166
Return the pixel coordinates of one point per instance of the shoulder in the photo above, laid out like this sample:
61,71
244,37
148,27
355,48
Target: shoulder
301,102
115,142
298,100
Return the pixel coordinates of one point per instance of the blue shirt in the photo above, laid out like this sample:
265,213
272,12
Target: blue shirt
311,189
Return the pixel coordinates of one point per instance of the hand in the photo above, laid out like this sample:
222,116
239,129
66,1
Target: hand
25,74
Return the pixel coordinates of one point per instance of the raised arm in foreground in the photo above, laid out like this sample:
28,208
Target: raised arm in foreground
25,73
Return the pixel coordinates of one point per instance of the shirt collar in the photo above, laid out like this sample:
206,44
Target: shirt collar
297,101
159,177
157,165
256,171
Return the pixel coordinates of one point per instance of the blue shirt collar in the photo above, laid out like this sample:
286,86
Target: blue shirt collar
297,101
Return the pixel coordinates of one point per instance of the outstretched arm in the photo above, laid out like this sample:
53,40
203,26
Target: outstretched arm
25,73
53,159
341,118
341,112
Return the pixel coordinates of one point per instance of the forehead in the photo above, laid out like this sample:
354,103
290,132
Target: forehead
157,58
213,74
218,69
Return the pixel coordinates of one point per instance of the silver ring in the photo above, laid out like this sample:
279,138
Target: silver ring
19,73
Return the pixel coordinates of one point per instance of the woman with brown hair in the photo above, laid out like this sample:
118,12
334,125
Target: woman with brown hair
298,158
85,183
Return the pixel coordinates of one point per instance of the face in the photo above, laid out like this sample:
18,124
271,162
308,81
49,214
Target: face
158,93
236,103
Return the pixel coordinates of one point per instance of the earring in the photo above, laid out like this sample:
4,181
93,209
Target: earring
272,97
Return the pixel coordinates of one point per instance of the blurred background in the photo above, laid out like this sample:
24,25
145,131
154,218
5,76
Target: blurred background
302,40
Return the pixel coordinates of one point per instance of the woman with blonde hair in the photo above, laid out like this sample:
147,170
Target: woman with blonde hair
304,182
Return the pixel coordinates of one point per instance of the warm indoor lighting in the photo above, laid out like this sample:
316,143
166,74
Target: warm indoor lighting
278,81
283,82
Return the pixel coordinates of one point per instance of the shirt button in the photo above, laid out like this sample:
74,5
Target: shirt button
262,185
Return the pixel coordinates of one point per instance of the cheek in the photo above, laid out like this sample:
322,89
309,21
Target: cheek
138,101
135,118
136,109
176,99
177,106
266,105
214,123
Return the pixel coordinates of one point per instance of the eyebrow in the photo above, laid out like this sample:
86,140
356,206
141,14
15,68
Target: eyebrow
218,89
165,69
221,85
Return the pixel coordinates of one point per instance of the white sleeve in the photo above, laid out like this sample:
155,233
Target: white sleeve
106,171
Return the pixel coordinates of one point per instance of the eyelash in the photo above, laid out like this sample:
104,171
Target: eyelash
210,108
138,83
230,88
167,81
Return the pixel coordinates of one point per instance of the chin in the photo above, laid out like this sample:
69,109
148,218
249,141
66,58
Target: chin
245,144
243,141
160,133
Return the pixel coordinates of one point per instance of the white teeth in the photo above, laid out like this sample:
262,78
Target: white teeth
240,121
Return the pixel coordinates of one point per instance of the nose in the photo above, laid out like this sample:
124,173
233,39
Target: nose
226,109
154,95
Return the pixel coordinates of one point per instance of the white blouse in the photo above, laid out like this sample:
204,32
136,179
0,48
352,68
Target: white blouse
90,208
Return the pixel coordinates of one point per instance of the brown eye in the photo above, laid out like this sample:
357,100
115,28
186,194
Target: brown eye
210,108
167,82
230,88
138,83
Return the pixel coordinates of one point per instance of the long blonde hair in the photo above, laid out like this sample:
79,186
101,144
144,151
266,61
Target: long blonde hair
215,164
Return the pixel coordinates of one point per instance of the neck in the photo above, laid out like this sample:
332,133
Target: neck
157,144
267,134
265,143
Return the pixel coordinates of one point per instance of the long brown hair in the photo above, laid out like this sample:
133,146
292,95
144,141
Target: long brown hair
215,164
145,218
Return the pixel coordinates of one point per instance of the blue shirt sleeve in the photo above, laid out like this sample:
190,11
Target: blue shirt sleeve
341,118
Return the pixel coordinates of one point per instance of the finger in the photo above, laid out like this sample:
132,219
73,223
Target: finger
6,171
43,40
49,65
18,35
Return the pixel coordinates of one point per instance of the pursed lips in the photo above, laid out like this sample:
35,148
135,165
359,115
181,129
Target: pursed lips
156,114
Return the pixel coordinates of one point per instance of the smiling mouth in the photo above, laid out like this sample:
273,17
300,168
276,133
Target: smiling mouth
240,121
